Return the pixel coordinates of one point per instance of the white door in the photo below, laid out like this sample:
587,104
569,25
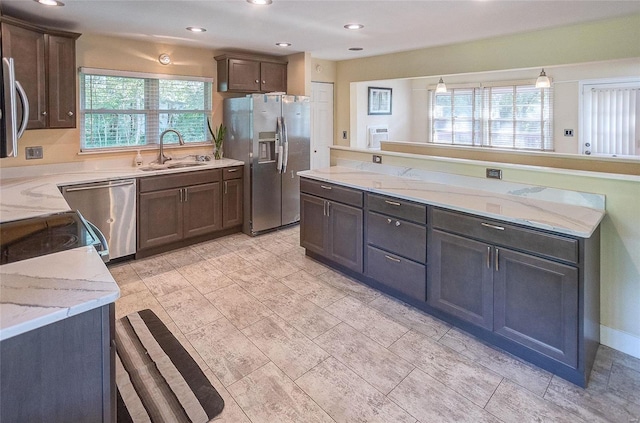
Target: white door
321,123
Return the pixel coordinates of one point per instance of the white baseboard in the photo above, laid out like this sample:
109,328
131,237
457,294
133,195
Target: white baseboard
621,341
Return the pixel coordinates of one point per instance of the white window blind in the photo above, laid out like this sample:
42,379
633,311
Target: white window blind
611,113
505,115
128,109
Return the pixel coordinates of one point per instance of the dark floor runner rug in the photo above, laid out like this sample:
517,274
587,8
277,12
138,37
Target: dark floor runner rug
158,381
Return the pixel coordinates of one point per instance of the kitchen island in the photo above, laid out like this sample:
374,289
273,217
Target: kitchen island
510,263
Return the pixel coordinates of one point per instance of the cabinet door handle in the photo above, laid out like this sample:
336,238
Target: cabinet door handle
225,187
264,82
328,209
181,196
393,259
497,260
325,187
69,113
389,221
393,203
488,257
397,223
257,81
489,225
44,113
324,208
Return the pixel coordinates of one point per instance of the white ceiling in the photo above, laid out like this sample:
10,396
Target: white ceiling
315,26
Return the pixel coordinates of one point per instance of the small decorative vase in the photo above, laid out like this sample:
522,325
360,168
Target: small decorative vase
217,153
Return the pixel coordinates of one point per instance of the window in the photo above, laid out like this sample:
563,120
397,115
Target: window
515,116
128,109
610,116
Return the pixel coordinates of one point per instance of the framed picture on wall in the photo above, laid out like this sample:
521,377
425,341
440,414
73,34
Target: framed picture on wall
379,101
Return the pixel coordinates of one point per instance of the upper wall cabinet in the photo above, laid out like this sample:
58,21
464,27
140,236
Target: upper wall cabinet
252,74
45,63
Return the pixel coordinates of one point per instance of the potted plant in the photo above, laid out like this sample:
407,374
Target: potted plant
218,138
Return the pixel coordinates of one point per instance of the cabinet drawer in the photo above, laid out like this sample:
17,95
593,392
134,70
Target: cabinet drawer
398,273
398,208
397,236
232,173
155,183
495,232
332,192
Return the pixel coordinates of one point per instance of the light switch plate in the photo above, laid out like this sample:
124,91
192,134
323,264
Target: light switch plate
33,153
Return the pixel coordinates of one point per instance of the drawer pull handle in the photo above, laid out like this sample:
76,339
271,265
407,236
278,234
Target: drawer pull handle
325,187
489,225
232,170
396,260
393,203
488,257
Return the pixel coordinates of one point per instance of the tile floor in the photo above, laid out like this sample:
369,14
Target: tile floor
286,339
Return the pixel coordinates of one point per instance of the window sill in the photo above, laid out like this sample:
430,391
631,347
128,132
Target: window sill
150,147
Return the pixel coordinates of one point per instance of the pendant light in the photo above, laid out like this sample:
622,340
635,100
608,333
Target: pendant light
543,80
441,87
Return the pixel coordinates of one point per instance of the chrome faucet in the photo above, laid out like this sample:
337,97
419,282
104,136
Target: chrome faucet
161,157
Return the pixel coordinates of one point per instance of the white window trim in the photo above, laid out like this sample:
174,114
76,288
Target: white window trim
491,84
141,75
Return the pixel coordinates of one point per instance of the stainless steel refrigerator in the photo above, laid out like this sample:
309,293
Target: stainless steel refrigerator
270,134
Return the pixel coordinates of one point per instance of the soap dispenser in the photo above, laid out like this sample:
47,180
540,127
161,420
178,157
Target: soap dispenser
138,160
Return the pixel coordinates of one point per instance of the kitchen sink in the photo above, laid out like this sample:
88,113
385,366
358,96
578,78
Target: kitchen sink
169,165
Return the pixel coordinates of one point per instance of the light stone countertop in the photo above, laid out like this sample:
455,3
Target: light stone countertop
569,219
47,289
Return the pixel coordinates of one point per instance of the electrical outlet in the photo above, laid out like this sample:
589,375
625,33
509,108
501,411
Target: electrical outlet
33,153
494,173
377,159
568,132
344,135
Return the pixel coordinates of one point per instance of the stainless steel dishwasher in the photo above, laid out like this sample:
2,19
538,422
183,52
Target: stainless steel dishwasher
111,206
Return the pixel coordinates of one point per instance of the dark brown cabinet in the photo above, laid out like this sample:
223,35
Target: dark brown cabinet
396,238
329,228
45,66
532,292
461,278
61,372
245,73
518,295
62,82
176,207
232,192
536,304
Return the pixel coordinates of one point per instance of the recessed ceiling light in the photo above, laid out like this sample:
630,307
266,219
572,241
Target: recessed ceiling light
283,44
354,26
260,2
356,48
50,2
196,29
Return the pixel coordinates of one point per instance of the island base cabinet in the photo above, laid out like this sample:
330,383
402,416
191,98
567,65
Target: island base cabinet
460,278
333,230
62,372
312,223
536,304
396,272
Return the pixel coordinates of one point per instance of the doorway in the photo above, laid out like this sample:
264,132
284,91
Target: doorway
321,123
